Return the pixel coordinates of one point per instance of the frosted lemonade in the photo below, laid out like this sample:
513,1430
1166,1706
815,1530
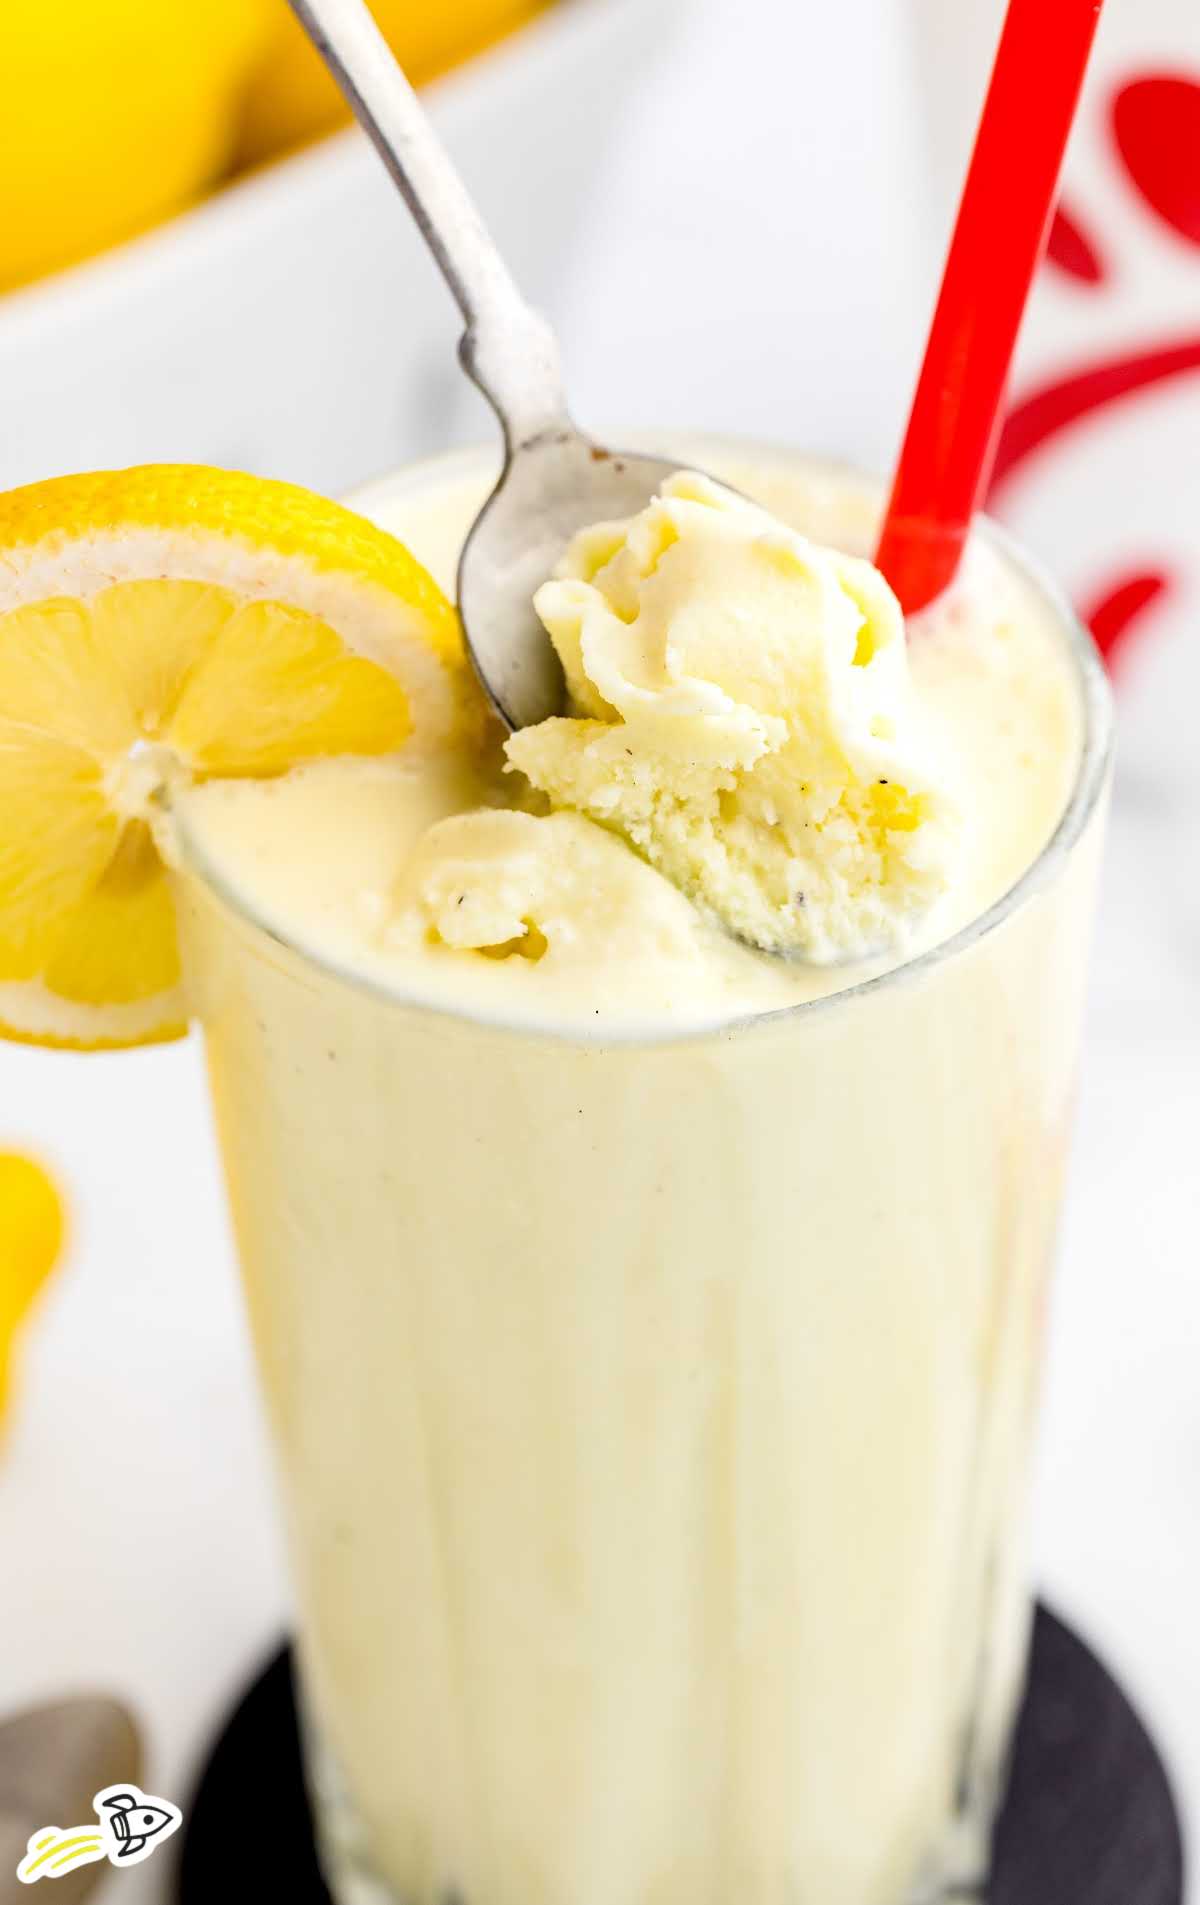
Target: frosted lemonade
644,1140
652,1374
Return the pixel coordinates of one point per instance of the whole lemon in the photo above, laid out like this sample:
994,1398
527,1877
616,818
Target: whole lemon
31,1235
292,98
115,114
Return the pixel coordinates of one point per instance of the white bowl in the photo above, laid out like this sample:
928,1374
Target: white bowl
294,324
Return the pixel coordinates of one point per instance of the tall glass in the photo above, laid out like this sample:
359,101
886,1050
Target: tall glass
653,1416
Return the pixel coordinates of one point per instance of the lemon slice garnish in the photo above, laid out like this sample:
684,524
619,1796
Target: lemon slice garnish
177,624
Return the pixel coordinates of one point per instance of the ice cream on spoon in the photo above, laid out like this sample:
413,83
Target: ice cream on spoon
742,714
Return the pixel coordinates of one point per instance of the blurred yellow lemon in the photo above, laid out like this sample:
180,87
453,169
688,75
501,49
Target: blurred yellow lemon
292,98
116,113
31,1234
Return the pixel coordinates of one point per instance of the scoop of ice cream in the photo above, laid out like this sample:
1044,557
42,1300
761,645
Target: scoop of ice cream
542,893
741,712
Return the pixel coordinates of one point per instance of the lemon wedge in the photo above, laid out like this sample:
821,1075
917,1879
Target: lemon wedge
167,625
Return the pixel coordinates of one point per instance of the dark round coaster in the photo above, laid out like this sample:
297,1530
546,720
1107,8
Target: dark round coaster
1089,1820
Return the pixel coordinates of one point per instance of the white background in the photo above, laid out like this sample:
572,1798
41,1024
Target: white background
744,241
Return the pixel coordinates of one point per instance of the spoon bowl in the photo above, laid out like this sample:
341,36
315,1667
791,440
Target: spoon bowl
553,486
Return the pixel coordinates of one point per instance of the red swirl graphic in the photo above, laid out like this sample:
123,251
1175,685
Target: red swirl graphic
1154,122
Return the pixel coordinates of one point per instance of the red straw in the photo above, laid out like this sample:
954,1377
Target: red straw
1002,225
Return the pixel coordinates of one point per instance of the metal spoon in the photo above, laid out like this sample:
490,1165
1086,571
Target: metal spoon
555,480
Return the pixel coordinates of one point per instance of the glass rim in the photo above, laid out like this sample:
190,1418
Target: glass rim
1087,787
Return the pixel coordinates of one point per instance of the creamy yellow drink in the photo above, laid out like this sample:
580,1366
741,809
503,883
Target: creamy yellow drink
650,1322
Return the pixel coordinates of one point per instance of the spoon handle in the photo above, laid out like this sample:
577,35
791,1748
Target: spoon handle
507,348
